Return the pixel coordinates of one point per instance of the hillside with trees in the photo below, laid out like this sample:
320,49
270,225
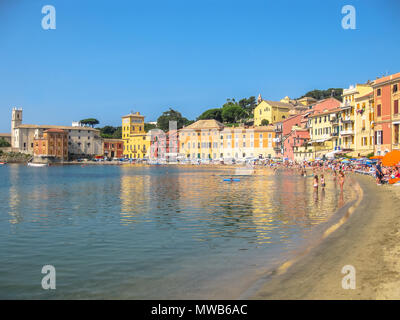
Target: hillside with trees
232,111
323,94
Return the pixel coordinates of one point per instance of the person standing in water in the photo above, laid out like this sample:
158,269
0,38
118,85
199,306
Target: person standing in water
315,183
341,180
322,181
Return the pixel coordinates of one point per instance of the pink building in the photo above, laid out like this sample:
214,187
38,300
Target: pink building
296,138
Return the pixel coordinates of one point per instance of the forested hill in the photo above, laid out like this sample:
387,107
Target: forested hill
322,94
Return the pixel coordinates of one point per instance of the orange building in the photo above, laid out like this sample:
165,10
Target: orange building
54,143
113,148
386,113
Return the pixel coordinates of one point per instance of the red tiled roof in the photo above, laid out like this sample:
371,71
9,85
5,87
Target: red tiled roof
327,104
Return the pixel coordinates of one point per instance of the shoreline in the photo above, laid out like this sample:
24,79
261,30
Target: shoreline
369,241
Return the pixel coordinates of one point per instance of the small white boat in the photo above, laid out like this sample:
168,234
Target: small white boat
2,163
37,165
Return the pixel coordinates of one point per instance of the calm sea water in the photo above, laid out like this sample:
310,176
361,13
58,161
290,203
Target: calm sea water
140,232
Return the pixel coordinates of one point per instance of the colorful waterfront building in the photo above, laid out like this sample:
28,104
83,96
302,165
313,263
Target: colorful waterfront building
52,145
113,148
323,125
363,123
386,113
201,140
83,142
248,142
165,146
347,117
296,139
271,112
136,141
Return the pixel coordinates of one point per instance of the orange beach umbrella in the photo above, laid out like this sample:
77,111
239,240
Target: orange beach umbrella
391,158
376,157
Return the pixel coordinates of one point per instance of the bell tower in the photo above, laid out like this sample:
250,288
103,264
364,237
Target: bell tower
16,120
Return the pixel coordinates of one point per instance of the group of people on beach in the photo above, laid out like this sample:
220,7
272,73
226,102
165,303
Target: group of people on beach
339,169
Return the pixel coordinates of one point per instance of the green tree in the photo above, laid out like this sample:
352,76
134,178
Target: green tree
264,122
248,104
215,114
117,133
171,115
90,122
149,126
323,94
4,143
233,113
110,132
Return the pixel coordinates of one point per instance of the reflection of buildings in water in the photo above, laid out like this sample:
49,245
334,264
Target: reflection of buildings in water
263,215
14,198
135,195
290,197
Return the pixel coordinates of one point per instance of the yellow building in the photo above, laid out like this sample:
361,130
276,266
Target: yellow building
136,141
347,133
272,111
210,140
201,140
323,132
363,124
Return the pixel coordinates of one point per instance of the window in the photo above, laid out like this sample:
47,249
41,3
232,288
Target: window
396,106
378,92
379,110
396,133
395,88
379,137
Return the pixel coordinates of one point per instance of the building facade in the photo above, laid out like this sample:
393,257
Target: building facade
53,145
136,140
82,141
386,113
113,148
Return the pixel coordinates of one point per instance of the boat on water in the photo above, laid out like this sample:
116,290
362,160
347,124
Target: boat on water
3,163
37,165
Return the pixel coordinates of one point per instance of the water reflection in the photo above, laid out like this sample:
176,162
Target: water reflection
151,232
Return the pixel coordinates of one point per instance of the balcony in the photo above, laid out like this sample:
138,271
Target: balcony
347,119
348,132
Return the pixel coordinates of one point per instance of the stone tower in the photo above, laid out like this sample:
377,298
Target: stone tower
16,120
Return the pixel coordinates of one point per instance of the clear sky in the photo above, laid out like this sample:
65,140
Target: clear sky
106,58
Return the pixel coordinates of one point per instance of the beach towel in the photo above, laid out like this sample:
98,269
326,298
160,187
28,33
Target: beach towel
393,181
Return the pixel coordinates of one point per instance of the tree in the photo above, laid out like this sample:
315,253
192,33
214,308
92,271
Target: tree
323,94
233,113
90,122
4,143
171,115
215,114
264,122
149,126
248,104
110,132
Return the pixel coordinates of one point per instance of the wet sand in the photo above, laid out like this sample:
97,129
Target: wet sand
369,240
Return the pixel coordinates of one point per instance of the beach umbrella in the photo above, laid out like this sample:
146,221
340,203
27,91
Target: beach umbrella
391,158
376,157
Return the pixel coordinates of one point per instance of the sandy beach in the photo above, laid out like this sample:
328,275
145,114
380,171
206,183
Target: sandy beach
369,240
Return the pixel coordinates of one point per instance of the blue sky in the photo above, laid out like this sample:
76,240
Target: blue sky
106,58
